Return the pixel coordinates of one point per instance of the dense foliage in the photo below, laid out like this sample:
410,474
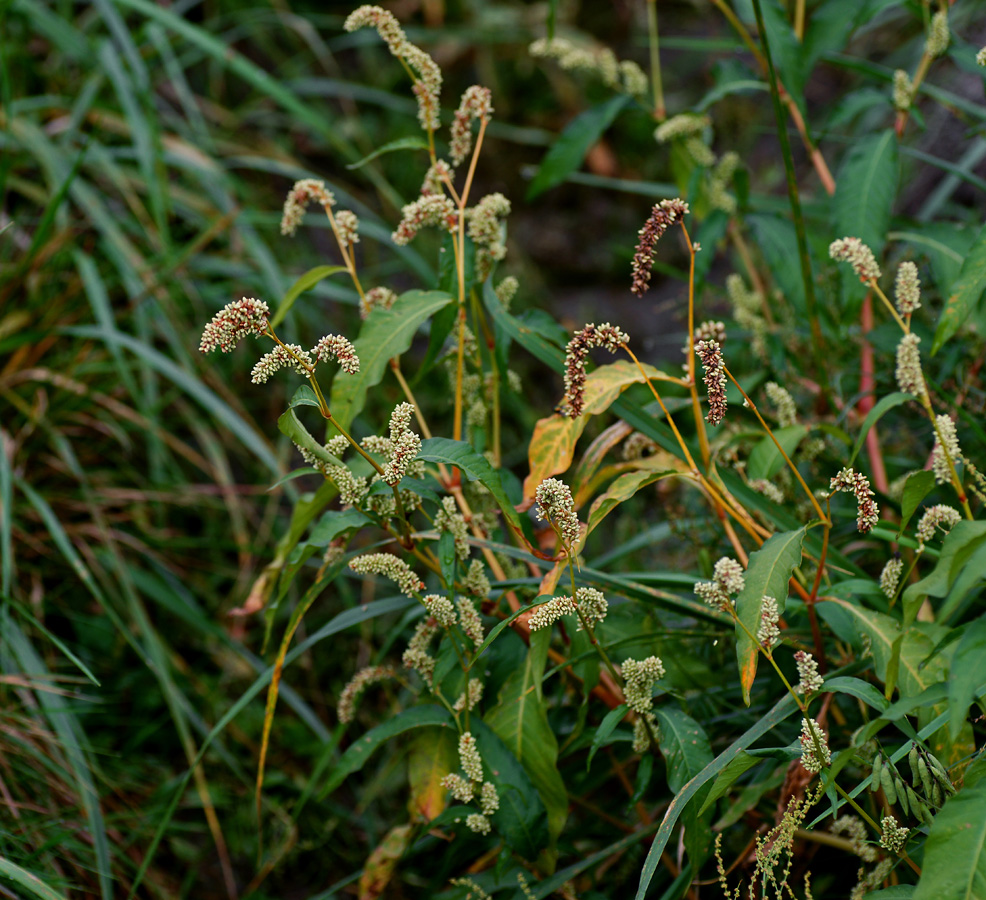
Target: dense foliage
417,592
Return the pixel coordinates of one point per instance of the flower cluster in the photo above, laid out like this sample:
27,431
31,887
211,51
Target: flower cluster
486,232
347,226
290,356
435,178
335,346
428,77
463,789
854,829
910,380
939,516
357,684
376,298
711,330
890,577
810,681
937,41
416,656
907,288
623,75
592,605
470,697
643,725
981,57
433,209
853,251
476,583
770,490
662,217
815,754
783,402
440,608
352,489
450,519
715,379
476,103
768,633
608,336
640,676
550,611
858,484
727,579
939,460
469,619
681,126
720,178
747,311
405,444
506,290
893,835
391,567
308,190
903,90
233,323
555,503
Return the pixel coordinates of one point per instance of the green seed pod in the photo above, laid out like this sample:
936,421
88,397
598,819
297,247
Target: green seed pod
926,815
877,767
914,801
912,761
901,795
936,765
887,783
936,795
924,777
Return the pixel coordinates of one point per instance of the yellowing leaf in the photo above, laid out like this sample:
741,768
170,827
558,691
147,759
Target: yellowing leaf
553,442
380,865
432,756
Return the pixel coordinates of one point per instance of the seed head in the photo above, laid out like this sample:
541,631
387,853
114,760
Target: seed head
290,356
858,484
910,380
334,346
405,444
308,190
853,251
469,758
233,323
768,633
391,567
937,41
715,379
814,758
894,835
608,336
890,577
662,217
939,461
433,209
641,736
903,90
936,517
907,288
640,677
549,612
349,698
555,503
348,226
476,103
810,680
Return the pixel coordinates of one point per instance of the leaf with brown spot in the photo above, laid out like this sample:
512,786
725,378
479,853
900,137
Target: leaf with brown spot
380,865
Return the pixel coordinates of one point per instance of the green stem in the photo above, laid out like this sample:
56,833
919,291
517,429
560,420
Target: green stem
655,61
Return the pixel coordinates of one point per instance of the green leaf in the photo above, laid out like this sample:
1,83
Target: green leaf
897,892
386,333
865,190
473,465
965,293
567,153
290,425
687,752
765,459
879,410
305,283
954,864
727,778
856,687
27,880
605,729
336,522
521,721
916,488
405,143
778,714
767,574
959,546
967,674
304,396
622,489
363,747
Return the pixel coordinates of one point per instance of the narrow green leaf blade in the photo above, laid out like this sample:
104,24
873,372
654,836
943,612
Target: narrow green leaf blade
292,426
605,729
967,674
865,190
766,460
27,880
405,143
305,283
916,488
874,415
567,153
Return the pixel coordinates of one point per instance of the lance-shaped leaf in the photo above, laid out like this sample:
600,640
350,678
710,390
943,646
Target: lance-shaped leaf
965,293
622,489
768,575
